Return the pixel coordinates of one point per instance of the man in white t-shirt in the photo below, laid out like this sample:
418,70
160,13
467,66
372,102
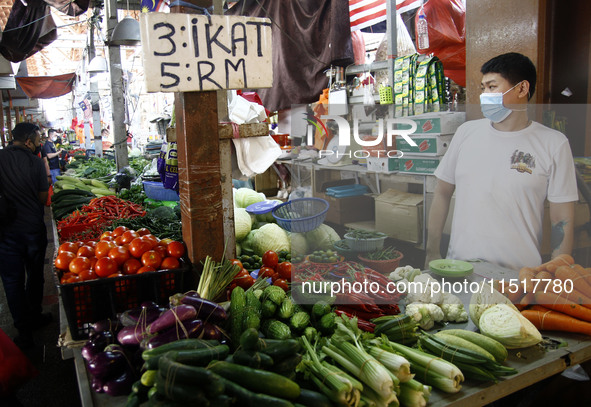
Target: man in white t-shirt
502,169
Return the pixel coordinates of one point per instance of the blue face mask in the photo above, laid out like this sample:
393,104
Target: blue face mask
492,106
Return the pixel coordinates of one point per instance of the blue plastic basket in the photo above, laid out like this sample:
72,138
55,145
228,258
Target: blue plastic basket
301,215
156,191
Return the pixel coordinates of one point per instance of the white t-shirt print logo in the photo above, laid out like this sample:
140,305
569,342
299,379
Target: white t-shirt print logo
523,162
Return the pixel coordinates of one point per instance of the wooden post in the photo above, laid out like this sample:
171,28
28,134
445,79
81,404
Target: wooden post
200,177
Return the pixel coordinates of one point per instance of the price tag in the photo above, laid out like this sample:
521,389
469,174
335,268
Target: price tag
188,52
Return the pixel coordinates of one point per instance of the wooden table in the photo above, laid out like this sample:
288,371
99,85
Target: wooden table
533,364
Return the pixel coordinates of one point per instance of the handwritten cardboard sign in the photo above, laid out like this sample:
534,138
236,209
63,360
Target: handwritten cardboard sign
188,52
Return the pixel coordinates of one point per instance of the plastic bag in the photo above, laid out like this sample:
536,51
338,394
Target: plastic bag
15,368
256,154
446,20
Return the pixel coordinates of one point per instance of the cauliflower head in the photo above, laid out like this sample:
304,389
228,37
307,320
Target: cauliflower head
425,315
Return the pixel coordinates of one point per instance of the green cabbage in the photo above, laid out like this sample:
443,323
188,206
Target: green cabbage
508,326
271,237
242,223
299,246
244,197
248,243
322,238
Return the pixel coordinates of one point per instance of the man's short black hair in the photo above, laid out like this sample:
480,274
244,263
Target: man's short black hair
50,131
514,67
24,131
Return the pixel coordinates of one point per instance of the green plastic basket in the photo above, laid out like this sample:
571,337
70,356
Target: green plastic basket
386,96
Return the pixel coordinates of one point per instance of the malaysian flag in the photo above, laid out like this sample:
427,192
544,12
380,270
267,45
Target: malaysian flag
365,13
155,6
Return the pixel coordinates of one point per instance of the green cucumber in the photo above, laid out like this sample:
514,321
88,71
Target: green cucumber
252,358
287,366
247,398
237,306
149,378
311,398
279,350
259,381
182,344
463,344
175,373
181,392
491,345
249,339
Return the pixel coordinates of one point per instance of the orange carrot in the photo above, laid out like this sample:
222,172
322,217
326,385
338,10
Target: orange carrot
560,260
556,321
527,299
538,307
578,298
526,274
559,303
566,273
543,274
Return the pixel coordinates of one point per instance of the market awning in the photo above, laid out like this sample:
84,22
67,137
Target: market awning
47,87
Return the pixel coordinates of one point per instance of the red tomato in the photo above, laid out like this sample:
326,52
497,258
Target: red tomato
245,282
153,240
161,250
93,261
266,272
128,236
284,270
165,242
102,249
119,230
152,258
62,261
79,264
170,263
69,278
85,251
143,231
131,266
176,249
270,259
241,273
281,283
105,266
238,263
86,275
68,247
139,246
119,240
119,254
145,269
107,234
91,243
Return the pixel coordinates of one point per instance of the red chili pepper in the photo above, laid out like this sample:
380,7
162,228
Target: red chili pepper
360,314
361,323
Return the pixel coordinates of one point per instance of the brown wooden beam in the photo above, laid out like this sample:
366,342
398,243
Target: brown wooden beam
244,130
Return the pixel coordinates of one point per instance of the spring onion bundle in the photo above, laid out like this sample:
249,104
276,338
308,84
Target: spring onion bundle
430,369
215,277
395,363
330,380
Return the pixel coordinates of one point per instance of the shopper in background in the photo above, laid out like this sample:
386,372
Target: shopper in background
23,241
53,155
502,169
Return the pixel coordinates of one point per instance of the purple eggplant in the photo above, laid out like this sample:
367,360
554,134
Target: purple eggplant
211,331
110,325
140,315
121,385
132,335
96,384
190,329
107,364
170,317
206,310
96,344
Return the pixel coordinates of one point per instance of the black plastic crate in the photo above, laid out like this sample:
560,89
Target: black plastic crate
90,301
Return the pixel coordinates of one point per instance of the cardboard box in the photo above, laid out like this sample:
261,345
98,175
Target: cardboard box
427,144
437,123
349,209
267,182
382,164
400,215
418,164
